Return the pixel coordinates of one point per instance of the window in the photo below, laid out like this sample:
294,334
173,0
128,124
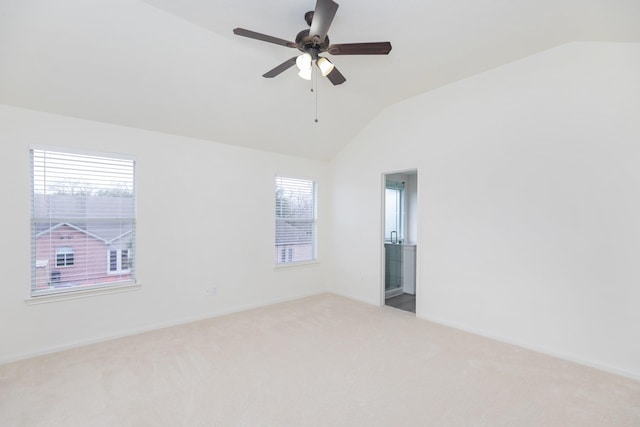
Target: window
113,261
118,260
295,220
82,221
64,257
394,212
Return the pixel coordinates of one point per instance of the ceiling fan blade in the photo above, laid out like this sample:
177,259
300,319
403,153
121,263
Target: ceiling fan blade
280,68
376,48
336,77
322,18
265,38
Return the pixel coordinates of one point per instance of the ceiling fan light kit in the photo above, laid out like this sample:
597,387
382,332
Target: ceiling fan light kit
305,74
314,41
325,66
303,61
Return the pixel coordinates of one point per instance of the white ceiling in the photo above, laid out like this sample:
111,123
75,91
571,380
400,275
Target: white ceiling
175,66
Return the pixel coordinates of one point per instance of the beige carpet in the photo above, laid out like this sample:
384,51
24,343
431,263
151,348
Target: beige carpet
319,361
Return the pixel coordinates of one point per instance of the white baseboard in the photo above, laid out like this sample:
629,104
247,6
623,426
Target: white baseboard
354,298
534,347
151,327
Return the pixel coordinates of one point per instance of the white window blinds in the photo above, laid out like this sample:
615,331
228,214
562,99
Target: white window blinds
82,213
295,239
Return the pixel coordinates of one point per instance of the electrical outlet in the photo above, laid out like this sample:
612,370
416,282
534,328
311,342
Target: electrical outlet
210,291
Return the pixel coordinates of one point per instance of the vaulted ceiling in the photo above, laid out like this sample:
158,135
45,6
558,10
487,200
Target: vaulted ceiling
175,66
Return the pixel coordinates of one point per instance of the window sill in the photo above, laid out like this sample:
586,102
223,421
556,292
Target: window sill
117,272
289,265
83,293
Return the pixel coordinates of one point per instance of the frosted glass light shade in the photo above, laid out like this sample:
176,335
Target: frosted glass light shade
325,66
305,74
303,61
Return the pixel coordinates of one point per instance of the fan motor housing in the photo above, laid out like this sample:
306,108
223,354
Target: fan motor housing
310,44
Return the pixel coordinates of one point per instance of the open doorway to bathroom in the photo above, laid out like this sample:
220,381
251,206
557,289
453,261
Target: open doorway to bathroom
400,231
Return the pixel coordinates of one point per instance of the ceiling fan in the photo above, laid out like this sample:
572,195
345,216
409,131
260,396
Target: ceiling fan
314,41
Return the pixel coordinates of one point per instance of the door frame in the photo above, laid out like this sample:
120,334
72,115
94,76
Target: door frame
383,185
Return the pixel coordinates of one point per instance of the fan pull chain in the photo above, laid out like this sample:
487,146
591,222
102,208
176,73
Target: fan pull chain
315,82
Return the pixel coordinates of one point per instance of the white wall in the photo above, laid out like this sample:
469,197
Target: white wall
412,208
529,203
205,218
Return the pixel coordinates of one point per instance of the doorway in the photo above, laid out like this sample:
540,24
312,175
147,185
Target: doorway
400,239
